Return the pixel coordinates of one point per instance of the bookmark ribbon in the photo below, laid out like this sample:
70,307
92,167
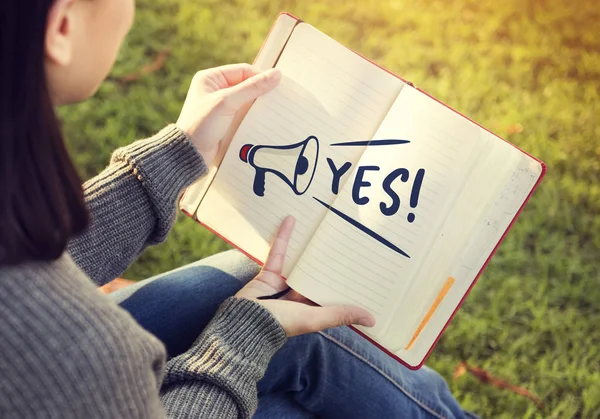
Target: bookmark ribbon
438,300
275,296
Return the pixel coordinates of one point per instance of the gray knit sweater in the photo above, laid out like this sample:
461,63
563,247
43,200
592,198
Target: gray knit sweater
67,351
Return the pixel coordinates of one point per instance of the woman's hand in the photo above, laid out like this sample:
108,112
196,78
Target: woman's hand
296,314
215,96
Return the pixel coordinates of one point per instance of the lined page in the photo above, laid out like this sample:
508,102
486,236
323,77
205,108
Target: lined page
343,264
518,174
492,167
327,92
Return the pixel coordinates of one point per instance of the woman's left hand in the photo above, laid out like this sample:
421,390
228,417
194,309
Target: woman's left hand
213,99
296,314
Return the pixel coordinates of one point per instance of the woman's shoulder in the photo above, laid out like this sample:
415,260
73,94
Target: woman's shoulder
56,298
52,307
60,337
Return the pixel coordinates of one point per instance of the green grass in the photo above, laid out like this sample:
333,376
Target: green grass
533,318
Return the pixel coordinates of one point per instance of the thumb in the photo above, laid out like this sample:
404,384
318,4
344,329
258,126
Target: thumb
251,88
334,316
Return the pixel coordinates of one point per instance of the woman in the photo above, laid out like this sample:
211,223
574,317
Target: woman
70,352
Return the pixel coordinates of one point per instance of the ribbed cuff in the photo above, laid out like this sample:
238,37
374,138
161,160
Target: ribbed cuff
228,359
164,164
250,328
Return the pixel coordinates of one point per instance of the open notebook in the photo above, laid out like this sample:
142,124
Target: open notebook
399,200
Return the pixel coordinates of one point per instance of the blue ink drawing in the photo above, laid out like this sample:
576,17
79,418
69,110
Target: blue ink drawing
363,228
414,195
296,163
390,141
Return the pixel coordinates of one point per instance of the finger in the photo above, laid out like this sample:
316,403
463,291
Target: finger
234,74
279,247
248,90
334,316
226,75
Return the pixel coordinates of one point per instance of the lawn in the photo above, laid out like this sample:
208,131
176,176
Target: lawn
528,70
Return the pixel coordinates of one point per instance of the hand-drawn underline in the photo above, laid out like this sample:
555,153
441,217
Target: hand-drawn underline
370,143
362,228
351,220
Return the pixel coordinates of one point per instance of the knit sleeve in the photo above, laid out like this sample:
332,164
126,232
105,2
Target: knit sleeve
133,202
70,352
217,377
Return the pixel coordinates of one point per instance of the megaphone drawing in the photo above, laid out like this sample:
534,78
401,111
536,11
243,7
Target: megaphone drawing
295,164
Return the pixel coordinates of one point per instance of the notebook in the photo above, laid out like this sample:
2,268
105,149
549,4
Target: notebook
399,200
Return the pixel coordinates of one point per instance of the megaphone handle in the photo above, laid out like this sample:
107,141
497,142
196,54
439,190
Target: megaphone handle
259,182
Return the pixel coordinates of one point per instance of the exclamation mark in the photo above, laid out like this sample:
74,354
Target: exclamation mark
414,195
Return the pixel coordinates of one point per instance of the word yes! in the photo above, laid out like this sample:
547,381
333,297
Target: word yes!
360,183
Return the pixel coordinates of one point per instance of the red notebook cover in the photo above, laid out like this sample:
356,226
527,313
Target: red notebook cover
544,169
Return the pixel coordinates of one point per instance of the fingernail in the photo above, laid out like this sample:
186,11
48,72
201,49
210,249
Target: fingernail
367,321
275,76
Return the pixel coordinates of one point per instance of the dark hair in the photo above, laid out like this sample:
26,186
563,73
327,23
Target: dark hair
41,198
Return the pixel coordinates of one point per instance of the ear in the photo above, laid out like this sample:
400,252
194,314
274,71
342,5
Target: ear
59,43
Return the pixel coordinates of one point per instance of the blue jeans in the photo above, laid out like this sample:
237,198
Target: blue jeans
333,374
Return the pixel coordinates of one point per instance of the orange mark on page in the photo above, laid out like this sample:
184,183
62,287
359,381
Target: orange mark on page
432,309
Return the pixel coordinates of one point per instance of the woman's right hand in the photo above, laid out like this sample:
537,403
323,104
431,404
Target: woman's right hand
296,314
214,97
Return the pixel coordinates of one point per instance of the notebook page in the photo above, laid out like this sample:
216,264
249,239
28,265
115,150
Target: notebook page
492,167
328,95
345,265
515,186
